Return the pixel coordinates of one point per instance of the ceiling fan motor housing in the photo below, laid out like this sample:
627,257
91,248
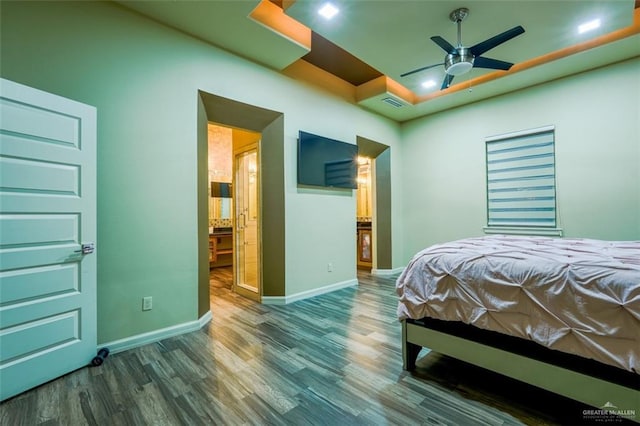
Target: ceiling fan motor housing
460,62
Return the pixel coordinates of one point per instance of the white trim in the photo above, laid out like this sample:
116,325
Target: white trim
519,133
204,320
131,342
522,230
387,272
284,300
274,300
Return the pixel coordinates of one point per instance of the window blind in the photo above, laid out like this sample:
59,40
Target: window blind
521,188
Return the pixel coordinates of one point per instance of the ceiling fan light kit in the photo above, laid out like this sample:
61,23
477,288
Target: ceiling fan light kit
460,59
460,63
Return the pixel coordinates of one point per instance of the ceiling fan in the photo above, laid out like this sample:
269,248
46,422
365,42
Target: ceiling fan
460,59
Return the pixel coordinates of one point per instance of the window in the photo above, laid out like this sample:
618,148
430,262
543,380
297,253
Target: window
521,182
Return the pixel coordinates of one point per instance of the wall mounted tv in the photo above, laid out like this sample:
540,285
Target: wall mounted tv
326,162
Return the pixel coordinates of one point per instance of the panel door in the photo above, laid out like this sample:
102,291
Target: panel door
47,211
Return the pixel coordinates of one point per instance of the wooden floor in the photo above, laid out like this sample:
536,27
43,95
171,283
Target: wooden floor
330,360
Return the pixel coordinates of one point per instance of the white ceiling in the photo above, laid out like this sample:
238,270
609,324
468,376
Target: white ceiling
393,36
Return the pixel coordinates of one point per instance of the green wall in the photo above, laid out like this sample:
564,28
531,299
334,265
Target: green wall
597,120
145,80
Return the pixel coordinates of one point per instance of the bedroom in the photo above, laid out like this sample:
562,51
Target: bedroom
144,78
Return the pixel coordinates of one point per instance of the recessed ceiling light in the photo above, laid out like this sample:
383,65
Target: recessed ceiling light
328,10
588,26
428,84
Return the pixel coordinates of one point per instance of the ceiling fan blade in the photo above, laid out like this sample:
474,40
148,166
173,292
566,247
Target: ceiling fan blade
494,41
419,69
444,44
494,64
448,78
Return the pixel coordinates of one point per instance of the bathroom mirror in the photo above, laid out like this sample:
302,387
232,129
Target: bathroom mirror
220,208
220,201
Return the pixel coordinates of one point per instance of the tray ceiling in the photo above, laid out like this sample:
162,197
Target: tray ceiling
361,52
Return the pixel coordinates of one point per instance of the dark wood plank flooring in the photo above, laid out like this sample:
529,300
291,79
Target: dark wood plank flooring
331,360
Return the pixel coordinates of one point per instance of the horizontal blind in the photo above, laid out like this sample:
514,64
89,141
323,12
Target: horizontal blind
521,179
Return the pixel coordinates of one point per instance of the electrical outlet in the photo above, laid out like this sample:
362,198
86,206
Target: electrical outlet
147,303
329,267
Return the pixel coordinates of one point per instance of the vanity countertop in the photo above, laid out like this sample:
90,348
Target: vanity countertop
220,231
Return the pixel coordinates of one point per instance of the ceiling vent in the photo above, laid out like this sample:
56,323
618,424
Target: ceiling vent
396,103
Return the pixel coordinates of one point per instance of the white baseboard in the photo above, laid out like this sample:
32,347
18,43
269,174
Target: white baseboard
204,320
131,342
387,272
283,300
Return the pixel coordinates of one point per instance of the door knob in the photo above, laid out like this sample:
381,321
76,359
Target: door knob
86,248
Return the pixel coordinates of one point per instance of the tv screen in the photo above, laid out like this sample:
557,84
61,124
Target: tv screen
326,162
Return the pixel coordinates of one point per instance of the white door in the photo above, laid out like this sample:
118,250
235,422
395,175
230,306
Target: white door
47,212
247,206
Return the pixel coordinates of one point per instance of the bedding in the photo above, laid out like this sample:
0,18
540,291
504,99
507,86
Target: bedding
579,296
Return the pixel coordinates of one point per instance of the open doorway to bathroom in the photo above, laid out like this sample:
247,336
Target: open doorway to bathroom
373,238
364,213
270,125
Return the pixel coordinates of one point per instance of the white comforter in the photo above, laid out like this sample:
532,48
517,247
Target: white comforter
578,296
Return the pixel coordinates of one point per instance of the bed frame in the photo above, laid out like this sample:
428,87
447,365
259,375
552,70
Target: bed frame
567,375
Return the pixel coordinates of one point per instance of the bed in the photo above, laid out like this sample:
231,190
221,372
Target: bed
560,314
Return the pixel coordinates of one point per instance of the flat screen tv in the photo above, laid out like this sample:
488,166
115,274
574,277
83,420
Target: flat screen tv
326,162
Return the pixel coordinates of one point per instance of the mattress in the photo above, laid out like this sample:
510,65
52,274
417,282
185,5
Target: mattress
579,296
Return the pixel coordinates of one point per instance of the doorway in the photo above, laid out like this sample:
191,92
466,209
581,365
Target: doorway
270,125
375,233
364,213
